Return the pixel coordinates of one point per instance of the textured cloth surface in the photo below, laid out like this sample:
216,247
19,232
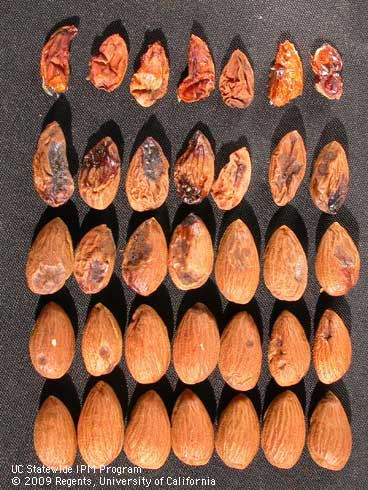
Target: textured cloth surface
86,114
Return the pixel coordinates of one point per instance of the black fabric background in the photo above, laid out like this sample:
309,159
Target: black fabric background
257,27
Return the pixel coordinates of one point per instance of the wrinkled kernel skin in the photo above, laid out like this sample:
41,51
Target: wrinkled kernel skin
287,168
144,265
190,260
332,348
233,181
201,73
237,264
149,83
283,431
337,263
237,81
194,170
238,433
51,176
50,258
288,352
330,178
147,346
99,175
147,180
285,267
286,76
326,63
147,441
192,434
329,437
94,260
54,65
196,345
108,67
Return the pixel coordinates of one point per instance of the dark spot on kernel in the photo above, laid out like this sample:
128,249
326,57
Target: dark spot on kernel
152,163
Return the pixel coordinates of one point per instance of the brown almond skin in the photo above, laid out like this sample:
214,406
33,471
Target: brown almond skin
100,427
102,343
54,436
240,358
50,258
99,176
329,437
190,260
147,346
51,175
287,168
330,178
285,268
237,264
52,343
147,442
192,434
149,82
332,348
94,259
194,170
233,180
337,263
147,180
283,431
196,345
237,435
289,353
144,264
237,81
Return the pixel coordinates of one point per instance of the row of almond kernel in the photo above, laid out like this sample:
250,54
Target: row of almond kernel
149,83
197,347
147,180
150,435
189,259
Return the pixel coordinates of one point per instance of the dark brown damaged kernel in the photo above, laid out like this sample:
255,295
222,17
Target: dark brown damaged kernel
201,72
237,81
194,170
190,254
285,268
147,180
51,176
108,67
287,168
326,63
233,181
99,176
54,65
330,178
149,83
50,259
144,264
337,261
94,259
